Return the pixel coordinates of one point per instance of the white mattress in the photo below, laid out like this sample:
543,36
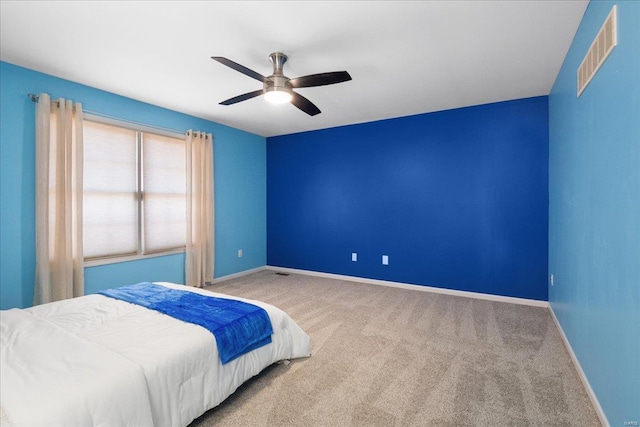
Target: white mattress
95,360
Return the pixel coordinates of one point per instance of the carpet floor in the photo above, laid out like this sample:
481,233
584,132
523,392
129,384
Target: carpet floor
384,356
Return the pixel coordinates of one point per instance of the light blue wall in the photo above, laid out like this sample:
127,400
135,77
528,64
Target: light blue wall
594,212
160,269
240,186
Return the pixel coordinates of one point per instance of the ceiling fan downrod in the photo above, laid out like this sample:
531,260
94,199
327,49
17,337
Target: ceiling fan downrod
277,80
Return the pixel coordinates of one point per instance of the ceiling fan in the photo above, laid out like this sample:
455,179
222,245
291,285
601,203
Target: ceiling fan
278,88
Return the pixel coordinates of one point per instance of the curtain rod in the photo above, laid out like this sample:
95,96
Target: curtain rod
34,98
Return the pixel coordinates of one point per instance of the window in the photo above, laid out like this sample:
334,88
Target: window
134,191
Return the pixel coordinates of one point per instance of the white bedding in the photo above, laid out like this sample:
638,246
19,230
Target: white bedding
95,360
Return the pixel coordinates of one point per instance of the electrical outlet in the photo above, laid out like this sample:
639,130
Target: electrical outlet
354,256
239,253
385,259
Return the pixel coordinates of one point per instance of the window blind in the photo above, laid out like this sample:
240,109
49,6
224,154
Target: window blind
164,192
110,204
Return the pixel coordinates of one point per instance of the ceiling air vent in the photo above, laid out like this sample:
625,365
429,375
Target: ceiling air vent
600,49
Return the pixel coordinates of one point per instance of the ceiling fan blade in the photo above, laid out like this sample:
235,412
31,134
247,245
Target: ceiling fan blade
304,104
240,68
242,97
321,79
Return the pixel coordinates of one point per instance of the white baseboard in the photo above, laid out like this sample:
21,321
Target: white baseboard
581,374
239,274
477,295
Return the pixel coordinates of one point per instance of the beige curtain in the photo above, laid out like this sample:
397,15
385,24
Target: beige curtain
200,251
59,260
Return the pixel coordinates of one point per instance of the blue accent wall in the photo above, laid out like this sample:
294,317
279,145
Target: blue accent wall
594,211
457,199
240,186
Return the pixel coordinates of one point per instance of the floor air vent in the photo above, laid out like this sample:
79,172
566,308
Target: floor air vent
600,49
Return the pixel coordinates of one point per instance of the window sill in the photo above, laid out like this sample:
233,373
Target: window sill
114,260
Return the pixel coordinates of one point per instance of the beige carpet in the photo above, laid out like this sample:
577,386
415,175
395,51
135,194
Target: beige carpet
385,356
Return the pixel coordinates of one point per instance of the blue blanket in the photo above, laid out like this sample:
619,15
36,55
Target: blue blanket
237,326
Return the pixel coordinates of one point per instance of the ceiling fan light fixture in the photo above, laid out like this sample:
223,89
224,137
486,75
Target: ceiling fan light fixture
276,96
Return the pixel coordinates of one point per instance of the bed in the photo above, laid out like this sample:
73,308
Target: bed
96,360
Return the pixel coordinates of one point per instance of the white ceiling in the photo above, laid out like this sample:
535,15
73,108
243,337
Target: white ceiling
405,57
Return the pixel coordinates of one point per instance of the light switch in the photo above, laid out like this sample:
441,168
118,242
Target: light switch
385,259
